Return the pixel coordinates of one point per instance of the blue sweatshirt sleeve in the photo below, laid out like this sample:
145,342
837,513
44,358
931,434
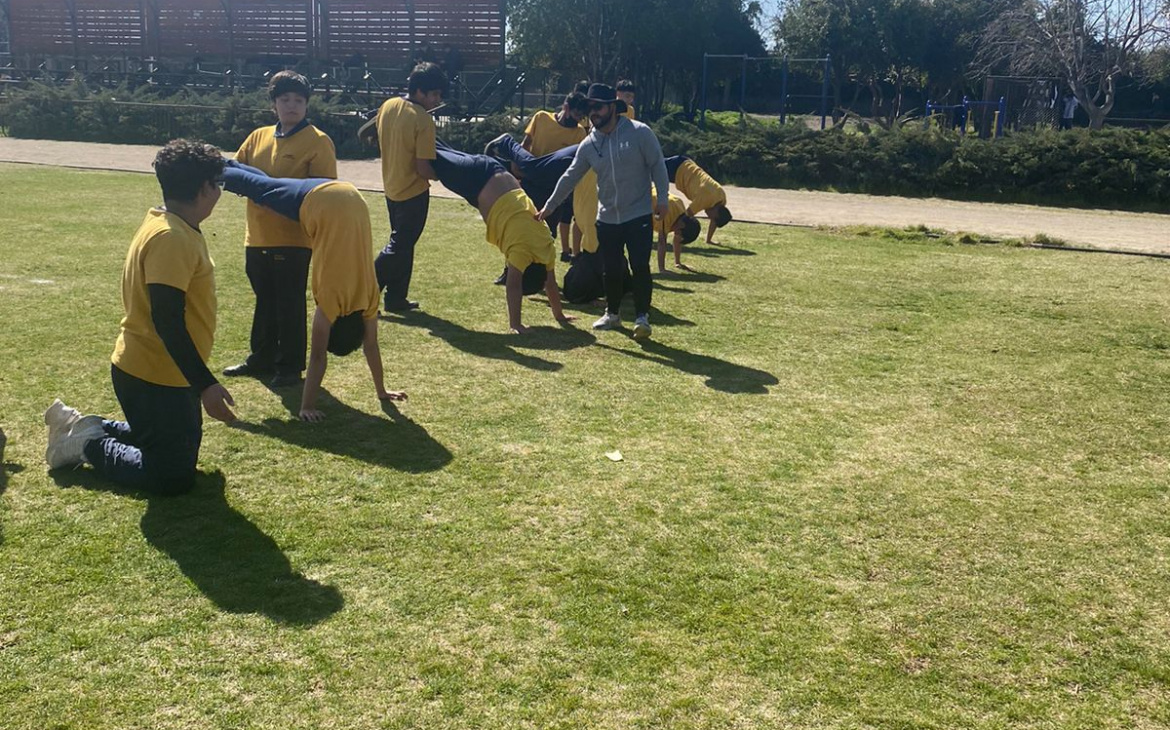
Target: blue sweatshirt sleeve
282,195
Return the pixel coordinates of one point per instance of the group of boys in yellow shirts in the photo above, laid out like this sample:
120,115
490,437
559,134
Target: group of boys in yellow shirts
159,367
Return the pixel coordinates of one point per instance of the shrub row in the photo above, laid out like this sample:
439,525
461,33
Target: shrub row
1115,168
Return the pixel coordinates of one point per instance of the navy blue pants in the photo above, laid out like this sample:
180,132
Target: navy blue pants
157,446
278,277
395,264
614,240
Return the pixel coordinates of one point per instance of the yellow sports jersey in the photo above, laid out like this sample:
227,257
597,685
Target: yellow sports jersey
699,187
337,221
548,135
512,227
308,153
406,132
675,210
165,250
585,210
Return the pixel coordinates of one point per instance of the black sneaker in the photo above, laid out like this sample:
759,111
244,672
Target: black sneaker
492,149
566,256
502,278
403,305
244,370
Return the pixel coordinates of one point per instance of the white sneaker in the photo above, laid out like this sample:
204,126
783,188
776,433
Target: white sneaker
607,321
60,418
642,328
67,448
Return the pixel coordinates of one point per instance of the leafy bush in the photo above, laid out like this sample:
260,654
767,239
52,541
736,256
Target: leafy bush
1116,168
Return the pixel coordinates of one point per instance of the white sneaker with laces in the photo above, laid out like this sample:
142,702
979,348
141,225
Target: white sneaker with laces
642,328
67,447
607,321
60,418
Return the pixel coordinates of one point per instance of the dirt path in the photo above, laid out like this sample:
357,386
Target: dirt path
1143,232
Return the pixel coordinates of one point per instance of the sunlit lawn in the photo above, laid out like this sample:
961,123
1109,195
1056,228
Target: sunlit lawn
866,482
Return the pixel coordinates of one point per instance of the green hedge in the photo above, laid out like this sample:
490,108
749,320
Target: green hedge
1114,168
147,115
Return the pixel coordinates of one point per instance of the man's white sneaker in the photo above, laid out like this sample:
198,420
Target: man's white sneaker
607,321
642,328
68,448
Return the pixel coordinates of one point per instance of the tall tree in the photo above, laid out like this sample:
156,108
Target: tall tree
660,43
1088,44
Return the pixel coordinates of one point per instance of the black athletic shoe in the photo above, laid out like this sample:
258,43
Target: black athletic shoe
566,256
502,278
244,370
404,305
285,380
492,149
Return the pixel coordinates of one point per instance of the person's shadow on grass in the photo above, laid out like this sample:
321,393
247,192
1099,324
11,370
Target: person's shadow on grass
6,468
721,375
398,443
717,249
500,346
230,560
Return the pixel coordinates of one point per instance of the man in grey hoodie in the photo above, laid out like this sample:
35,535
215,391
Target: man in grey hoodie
626,156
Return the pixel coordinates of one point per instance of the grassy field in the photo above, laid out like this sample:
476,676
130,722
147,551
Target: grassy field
868,482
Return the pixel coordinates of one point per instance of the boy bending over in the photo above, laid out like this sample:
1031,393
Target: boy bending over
701,189
683,229
511,224
336,222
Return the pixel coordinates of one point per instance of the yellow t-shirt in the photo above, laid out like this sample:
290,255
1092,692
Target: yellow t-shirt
308,153
512,227
405,133
337,221
675,208
585,210
629,112
699,187
548,135
165,250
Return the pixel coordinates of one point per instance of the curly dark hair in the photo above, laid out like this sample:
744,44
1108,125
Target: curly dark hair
282,82
184,166
577,102
427,77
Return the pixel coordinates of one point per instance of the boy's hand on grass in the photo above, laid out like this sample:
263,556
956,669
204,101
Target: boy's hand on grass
392,395
312,415
217,401
520,329
566,318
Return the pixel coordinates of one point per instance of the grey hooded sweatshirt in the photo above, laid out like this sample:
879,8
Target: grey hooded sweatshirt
626,161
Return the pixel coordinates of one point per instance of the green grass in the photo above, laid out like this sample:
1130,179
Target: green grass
869,482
